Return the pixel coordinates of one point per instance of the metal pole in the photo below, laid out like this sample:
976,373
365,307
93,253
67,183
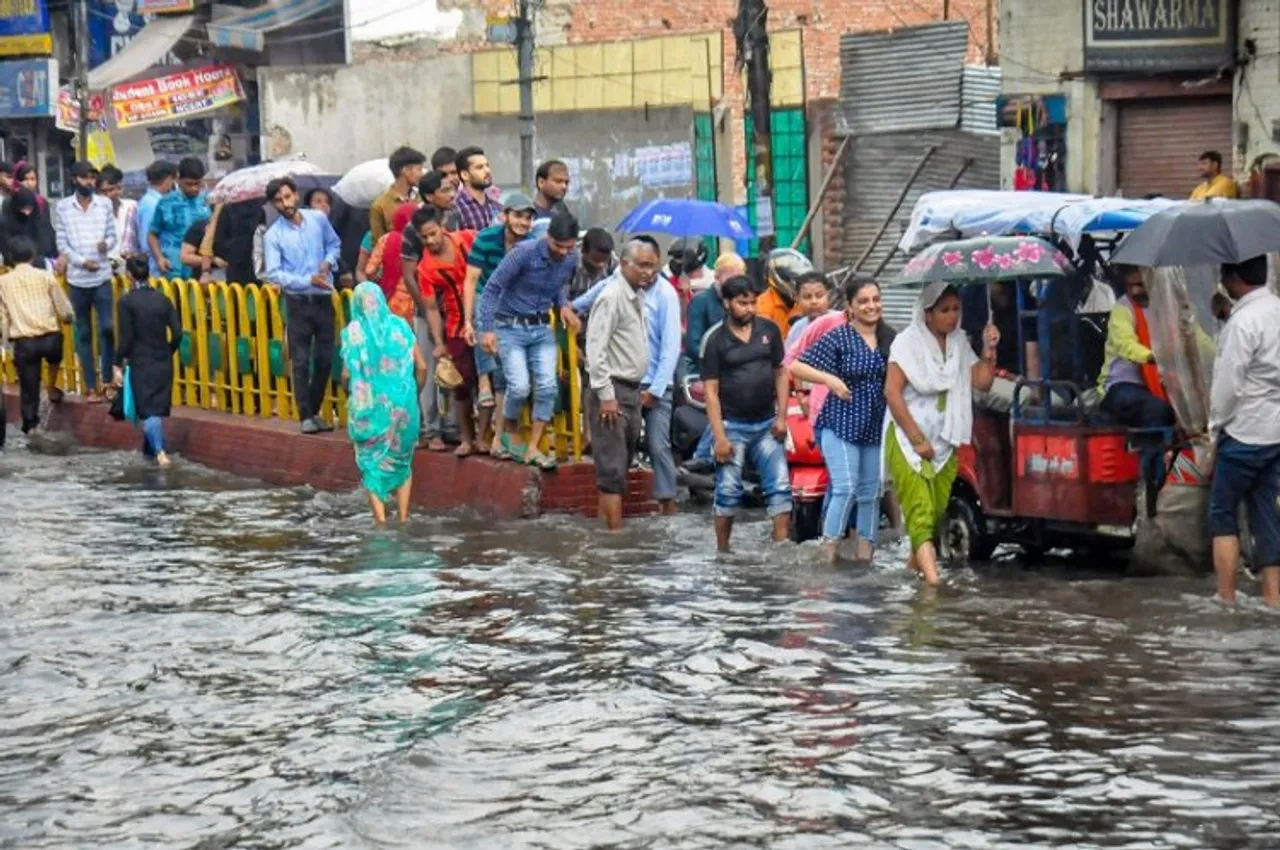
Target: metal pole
81,24
822,192
524,58
754,15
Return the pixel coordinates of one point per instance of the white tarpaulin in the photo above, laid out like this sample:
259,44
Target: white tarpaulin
152,43
962,214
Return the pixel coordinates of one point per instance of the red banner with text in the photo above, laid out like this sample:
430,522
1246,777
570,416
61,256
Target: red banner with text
175,97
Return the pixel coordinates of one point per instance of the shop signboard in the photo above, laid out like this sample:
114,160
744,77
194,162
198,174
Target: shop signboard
68,111
174,97
24,28
28,88
1158,35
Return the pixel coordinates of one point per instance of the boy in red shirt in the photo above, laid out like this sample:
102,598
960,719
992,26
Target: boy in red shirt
441,275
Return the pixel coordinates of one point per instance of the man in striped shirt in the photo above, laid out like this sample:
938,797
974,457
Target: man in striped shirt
86,231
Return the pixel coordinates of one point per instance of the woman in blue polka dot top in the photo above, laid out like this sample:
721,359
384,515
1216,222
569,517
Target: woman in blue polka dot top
851,360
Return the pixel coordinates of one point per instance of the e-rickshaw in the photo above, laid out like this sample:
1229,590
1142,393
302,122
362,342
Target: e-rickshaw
1051,472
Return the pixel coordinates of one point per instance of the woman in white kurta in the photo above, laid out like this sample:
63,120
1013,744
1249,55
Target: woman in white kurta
929,390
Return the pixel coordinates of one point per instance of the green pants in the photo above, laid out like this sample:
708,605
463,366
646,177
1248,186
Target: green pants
924,494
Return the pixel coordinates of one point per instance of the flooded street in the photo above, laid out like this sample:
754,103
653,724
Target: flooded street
190,660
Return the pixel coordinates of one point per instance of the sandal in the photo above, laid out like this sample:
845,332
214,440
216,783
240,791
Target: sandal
485,400
464,450
109,393
435,444
93,398
508,451
544,462
55,395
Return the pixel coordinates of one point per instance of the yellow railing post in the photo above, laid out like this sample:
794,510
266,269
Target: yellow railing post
179,380
282,385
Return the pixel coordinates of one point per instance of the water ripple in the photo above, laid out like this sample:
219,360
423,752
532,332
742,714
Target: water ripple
191,660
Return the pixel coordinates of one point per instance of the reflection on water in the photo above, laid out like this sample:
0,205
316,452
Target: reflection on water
190,660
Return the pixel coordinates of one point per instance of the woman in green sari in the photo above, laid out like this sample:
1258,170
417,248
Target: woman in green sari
385,372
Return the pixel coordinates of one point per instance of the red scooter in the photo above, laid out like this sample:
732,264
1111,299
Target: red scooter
809,480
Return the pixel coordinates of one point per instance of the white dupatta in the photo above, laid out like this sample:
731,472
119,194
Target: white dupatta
930,372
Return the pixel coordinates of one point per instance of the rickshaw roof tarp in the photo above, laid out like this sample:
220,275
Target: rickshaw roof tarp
979,212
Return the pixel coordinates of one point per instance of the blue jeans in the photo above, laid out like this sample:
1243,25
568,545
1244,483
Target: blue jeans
706,444
523,348
152,435
86,301
753,441
855,479
1245,472
657,434
489,364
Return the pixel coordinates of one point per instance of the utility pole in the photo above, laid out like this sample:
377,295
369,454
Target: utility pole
753,54
524,61
991,56
81,24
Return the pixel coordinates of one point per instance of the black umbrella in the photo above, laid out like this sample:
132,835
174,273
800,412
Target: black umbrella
1202,233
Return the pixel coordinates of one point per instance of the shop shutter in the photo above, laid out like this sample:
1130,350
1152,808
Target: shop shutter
1160,139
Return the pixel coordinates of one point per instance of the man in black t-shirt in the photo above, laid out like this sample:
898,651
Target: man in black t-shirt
747,391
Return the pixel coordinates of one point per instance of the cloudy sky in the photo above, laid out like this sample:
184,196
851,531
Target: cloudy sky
373,20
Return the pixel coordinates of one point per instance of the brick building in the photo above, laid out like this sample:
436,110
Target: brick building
1125,96
818,26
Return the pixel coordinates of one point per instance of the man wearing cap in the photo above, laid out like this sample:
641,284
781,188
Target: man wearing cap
490,246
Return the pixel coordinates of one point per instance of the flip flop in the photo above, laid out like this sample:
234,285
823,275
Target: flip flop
509,452
55,395
464,450
541,461
485,400
437,445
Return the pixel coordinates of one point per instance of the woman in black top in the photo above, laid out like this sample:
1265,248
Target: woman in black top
23,216
150,332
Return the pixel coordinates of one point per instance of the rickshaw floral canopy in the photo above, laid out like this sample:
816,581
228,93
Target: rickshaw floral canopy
985,259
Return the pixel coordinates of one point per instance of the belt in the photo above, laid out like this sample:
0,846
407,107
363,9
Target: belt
527,320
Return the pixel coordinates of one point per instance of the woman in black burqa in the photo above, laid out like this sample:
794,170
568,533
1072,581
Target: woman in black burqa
23,216
150,333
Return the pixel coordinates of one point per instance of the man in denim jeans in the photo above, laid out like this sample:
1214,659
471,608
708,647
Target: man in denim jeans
514,321
747,391
86,232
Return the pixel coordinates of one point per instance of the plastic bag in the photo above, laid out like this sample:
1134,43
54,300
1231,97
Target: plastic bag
130,409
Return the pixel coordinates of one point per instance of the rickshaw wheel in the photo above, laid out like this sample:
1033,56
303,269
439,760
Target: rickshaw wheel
964,534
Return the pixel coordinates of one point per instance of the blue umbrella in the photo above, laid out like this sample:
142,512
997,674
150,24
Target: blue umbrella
686,218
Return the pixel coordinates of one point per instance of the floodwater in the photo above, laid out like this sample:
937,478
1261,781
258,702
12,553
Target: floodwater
189,660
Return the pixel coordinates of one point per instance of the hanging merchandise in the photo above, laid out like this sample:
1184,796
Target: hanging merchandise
1040,151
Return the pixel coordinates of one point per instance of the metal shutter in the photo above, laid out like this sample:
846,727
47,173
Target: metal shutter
1161,138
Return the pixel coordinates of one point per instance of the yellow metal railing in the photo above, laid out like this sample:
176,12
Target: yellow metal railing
234,358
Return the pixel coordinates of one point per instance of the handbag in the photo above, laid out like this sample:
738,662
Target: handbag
447,375
123,408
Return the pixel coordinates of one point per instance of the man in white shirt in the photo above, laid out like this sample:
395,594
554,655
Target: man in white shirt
1244,418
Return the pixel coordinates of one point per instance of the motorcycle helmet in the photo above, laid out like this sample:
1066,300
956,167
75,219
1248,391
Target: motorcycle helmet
686,255
781,270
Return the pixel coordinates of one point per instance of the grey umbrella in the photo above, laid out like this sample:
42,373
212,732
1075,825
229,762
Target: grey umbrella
1203,233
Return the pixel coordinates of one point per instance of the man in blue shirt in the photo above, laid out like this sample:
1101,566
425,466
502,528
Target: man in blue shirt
662,327
301,251
175,213
514,322
160,179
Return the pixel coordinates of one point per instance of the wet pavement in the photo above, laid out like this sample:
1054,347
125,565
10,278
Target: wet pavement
189,660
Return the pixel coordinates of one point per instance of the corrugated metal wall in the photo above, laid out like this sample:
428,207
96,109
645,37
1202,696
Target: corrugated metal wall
908,79
901,93
978,100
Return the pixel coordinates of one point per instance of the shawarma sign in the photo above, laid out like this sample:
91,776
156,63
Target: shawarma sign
1158,35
